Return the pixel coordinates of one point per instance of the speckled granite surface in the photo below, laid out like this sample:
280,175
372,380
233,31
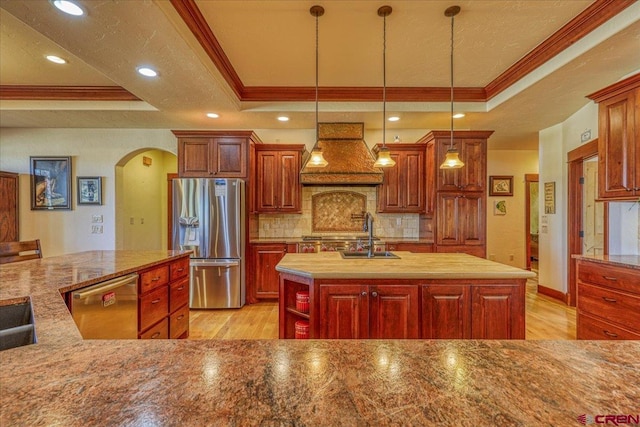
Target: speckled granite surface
631,261
330,265
66,381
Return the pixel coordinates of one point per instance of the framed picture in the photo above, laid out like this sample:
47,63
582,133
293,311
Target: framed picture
50,183
500,185
500,207
549,197
89,190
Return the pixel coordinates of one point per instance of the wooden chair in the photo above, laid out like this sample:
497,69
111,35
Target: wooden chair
19,251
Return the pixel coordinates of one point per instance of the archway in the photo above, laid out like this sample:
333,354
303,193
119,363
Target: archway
141,199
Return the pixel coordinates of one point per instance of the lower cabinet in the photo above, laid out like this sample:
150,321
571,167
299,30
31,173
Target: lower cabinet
266,278
410,247
365,311
446,312
163,301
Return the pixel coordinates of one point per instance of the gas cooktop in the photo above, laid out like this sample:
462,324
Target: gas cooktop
336,238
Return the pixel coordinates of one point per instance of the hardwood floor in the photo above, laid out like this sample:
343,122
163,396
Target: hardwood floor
546,318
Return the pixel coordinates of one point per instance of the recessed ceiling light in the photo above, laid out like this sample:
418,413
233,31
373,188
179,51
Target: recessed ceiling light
147,72
68,7
56,59
213,115
283,118
458,115
393,118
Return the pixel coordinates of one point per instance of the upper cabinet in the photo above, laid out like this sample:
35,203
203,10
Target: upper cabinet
619,139
214,154
403,186
278,178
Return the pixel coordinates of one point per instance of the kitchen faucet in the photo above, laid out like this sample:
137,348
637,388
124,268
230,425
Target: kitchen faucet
368,226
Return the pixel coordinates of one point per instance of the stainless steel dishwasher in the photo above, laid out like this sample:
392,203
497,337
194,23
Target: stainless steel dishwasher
107,310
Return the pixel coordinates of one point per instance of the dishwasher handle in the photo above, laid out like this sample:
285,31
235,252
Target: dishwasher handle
215,263
106,286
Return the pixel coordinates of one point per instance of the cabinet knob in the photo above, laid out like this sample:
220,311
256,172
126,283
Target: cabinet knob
374,294
364,293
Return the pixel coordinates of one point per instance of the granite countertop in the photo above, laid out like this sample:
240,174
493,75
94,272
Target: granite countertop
330,265
631,261
65,380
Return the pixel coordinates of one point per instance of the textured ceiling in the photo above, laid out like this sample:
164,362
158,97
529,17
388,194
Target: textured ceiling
272,44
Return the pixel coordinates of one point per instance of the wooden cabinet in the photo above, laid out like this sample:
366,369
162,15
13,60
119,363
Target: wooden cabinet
9,214
278,187
608,301
368,311
446,312
461,224
214,154
619,140
403,186
266,278
456,198
410,247
163,302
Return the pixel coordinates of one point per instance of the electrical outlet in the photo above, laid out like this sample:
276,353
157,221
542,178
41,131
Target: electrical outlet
131,220
511,257
96,229
398,221
96,219
141,220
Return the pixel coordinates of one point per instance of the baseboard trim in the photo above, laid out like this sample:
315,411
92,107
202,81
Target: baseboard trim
552,293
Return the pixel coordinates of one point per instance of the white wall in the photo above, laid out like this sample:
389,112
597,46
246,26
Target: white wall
506,233
95,152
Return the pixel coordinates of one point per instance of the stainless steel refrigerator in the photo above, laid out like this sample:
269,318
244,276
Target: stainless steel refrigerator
209,218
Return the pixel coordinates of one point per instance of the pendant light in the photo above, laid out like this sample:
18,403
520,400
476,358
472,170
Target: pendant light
452,159
316,160
384,159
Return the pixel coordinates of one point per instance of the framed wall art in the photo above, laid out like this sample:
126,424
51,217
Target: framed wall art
549,197
89,190
50,183
500,185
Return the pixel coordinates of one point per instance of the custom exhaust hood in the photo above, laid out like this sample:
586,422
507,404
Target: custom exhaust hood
350,160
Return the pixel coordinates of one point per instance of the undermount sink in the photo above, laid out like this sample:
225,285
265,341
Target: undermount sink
365,255
16,325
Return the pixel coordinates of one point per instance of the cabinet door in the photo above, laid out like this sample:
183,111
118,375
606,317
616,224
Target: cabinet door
289,185
266,257
344,311
267,182
393,312
473,174
472,218
446,312
9,215
195,157
389,198
497,313
617,147
412,181
448,224
230,157
430,180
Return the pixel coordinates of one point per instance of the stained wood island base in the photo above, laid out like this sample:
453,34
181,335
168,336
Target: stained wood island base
419,295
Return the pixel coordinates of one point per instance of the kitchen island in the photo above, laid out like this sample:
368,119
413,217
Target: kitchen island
417,295
65,380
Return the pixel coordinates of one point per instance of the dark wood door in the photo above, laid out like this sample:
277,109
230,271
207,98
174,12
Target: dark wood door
267,280
9,214
267,182
389,197
344,311
289,181
195,157
230,157
472,219
446,312
393,312
497,313
472,177
448,224
412,181
617,146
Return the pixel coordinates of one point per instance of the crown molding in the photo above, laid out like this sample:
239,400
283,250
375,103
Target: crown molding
66,93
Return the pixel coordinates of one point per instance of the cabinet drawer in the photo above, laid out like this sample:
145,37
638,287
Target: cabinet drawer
159,331
154,306
178,294
179,323
617,307
589,328
178,269
151,279
624,279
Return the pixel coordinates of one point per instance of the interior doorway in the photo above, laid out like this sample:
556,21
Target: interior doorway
587,217
531,220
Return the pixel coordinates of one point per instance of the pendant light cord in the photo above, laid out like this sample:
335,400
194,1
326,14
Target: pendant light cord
384,81
317,38
451,75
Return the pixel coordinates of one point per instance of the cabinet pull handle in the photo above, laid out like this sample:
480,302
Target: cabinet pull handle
374,294
607,299
610,278
364,293
155,279
181,288
181,317
610,334
180,270
155,301
156,335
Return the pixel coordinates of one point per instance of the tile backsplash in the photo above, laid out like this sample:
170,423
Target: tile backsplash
332,215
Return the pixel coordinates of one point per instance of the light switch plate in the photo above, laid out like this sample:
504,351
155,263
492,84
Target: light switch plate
96,229
96,219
